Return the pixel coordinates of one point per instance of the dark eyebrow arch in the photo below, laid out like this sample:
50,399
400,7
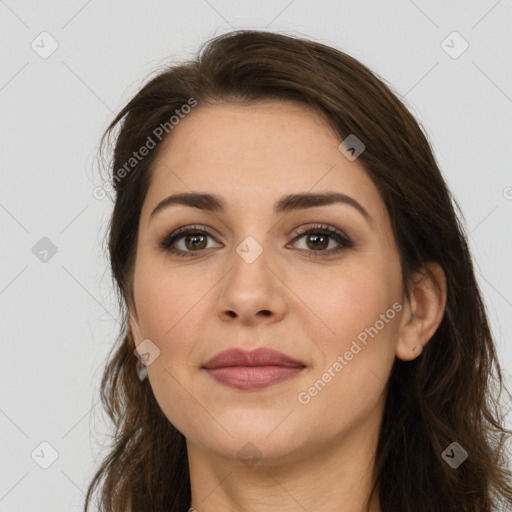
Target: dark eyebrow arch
285,204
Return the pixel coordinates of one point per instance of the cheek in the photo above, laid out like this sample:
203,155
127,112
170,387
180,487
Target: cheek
357,348
171,315
346,301
174,308
166,300
356,338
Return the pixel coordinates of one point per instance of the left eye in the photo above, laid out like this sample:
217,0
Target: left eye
193,239
319,239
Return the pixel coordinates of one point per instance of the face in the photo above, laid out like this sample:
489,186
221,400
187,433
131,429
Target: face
247,276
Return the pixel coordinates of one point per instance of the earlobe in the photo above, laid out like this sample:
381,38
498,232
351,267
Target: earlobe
409,346
140,366
423,313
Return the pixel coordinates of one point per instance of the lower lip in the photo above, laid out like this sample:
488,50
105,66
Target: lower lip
253,377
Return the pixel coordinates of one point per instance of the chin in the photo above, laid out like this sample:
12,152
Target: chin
264,438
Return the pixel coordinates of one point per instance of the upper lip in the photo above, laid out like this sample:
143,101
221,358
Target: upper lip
257,357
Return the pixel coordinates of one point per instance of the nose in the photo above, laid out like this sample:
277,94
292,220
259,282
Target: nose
252,291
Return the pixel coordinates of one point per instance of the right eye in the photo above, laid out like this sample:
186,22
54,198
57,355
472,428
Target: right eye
192,238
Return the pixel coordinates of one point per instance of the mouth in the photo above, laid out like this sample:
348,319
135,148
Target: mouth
252,370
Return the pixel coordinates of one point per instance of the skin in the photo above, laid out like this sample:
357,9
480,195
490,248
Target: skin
318,455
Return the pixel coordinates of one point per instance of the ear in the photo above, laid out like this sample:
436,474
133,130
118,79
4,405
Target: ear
423,312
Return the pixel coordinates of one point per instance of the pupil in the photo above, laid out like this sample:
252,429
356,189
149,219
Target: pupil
194,239
315,238
318,241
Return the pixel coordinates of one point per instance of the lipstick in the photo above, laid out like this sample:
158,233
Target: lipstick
252,370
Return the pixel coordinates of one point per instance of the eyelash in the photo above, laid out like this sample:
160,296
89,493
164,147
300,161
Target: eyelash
338,236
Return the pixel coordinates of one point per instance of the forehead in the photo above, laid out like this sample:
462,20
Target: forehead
253,154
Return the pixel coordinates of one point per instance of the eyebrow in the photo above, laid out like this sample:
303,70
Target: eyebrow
214,203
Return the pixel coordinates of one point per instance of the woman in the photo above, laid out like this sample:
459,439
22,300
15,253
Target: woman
304,330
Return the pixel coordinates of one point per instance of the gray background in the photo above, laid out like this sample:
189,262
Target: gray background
59,316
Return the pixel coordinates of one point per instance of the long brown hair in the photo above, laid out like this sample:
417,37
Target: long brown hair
450,393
